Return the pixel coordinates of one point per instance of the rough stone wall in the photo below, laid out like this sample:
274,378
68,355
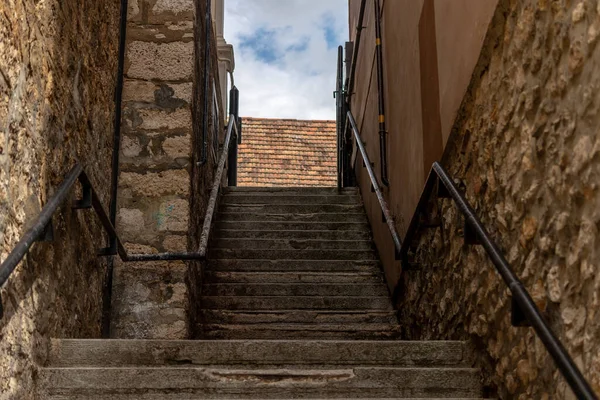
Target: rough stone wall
58,62
526,145
150,299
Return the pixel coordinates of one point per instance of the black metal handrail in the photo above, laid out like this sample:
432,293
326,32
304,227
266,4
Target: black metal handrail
200,254
90,199
387,216
524,310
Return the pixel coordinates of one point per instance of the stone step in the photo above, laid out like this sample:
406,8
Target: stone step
361,226
298,266
186,396
293,289
126,353
290,217
292,244
288,198
291,208
246,254
298,316
226,383
294,277
292,234
272,331
323,191
381,303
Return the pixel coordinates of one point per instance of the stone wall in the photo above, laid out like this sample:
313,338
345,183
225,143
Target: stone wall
58,62
164,59
526,145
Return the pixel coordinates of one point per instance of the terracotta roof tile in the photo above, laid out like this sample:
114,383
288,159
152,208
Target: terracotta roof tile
287,152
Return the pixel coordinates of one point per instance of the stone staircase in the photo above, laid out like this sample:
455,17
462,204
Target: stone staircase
294,306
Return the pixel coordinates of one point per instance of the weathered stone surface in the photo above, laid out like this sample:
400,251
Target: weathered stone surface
57,80
177,146
156,169
158,184
528,133
155,119
150,301
149,92
167,61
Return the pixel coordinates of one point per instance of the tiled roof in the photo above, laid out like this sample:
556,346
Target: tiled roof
287,152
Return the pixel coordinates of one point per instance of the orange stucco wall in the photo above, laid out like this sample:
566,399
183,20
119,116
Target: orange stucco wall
430,49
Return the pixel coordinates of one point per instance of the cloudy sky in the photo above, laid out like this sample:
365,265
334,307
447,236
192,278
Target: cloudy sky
286,55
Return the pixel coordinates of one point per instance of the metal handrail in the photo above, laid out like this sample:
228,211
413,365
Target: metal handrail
90,199
524,311
387,216
200,254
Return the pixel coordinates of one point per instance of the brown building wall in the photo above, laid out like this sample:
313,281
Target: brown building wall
422,41
58,63
524,141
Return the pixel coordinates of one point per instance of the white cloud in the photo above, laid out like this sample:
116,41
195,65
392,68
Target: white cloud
286,55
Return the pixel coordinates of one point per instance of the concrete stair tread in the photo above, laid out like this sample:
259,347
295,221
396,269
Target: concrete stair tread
370,303
295,209
127,352
294,277
289,198
361,226
357,217
292,244
272,383
288,265
293,234
294,254
293,289
297,316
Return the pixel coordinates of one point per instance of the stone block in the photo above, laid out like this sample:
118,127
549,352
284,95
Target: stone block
157,119
167,61
175,243
167,33
173,216
177,146
149,301
130,222
170,182
171,10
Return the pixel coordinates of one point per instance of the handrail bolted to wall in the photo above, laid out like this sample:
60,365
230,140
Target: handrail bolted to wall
524,308
387,216
91,200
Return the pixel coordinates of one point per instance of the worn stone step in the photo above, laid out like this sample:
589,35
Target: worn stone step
381,303
294,277
262,254
287,265
288,331
298,316
187,396
122,353
287,198
292,244
223,383
291,217
324,191
292,234
291,208
292,225
293,289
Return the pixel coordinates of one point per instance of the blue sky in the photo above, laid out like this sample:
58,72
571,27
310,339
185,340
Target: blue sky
286,54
